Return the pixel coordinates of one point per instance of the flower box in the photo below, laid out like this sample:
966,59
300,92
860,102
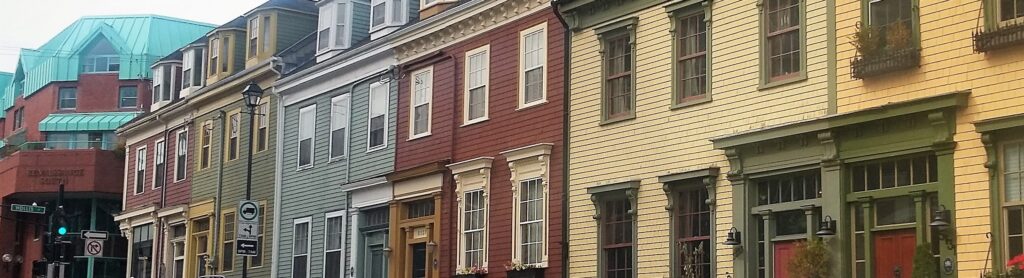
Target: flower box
526,273
1001,37
885,62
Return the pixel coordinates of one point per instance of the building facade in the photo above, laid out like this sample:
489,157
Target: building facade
478,178
62,106
651,83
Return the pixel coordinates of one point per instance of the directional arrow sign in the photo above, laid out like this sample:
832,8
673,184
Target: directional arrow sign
246,247
28,209
94,234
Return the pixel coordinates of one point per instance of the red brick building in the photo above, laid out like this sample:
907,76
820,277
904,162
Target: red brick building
483,113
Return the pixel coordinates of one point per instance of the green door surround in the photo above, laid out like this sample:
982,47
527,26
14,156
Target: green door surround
830,143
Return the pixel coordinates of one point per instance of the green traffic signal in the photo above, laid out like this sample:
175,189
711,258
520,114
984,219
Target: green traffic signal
62,230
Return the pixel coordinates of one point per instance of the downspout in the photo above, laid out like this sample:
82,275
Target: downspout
278,170
215,219
566,71
163,203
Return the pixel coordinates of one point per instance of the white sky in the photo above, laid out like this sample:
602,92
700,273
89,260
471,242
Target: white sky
30,23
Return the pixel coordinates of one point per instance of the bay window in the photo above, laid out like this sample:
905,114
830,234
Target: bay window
254,36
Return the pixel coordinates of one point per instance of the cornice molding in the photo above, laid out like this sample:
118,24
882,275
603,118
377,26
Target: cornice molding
471,26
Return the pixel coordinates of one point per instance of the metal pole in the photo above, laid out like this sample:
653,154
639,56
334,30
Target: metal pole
248,178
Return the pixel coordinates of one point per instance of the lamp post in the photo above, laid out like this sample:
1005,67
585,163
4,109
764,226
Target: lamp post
251,94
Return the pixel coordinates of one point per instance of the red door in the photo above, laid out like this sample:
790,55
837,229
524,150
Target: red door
782,256
894,253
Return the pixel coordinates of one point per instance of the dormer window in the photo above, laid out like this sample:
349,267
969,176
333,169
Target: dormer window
333,26
254,31
101,57
166,78
192,70
385,14
214,55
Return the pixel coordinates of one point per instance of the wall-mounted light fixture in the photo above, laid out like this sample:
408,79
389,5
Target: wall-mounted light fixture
733,238
827,227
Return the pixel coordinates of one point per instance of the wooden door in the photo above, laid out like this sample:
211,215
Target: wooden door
782,255
894,253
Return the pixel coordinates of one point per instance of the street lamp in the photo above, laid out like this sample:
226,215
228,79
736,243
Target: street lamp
251,94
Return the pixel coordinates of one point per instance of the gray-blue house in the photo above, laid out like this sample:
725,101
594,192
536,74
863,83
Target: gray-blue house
337,137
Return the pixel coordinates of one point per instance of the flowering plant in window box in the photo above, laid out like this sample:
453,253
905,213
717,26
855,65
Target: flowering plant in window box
1015,269
517,269
470,272
882,50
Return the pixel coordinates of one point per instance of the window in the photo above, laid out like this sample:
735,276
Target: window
187,64
691,62
307,126
473,225
101,63
167,85
257,260
205,139
339,125
192,68
128,97
617,238
262,127
891,173
378,13
419,208
254,31
224,49
1010,11
883,14
19,117
789,188
159,164
300,248
234,127
181,155
532,66
178,251
378,122
140,169
693,232
422,94
67,98
334,245
227,257
477,79
266,33
214,55
339,28
618,74
201,245
782,39
1012,179
532,212
373,228
142,251
323,33
332,16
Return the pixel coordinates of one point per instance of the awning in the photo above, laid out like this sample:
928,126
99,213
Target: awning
107,121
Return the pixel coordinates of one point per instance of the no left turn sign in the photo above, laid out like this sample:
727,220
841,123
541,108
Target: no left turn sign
93,248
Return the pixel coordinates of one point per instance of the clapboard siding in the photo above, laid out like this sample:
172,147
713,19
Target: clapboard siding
292,27
360,21
661,140
177,192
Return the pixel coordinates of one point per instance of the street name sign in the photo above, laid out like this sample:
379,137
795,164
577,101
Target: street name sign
28,209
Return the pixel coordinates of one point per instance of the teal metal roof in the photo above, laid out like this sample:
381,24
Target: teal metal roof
85,121
139,40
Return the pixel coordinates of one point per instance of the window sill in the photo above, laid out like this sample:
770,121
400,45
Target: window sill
418,136
532,104
689,103
381,147
779,83
304,167
337,159
616,120
475,121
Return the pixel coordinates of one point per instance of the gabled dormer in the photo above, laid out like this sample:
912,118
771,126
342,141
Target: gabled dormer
100,57
274,26
386,16
226,54
336,28
167,81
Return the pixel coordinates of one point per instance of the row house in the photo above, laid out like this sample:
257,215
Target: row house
338,141
652,82
478,177
198,107
61,108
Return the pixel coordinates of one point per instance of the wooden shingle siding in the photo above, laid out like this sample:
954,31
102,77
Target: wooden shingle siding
948,64
662,140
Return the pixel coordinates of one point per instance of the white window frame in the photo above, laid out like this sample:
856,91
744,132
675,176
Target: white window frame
206,130
140,161
158,155
424,4
345,100
542,29
224,241
214,51
187,63
262,122
387,119
486,52
234,133
529,163
462,227
472,175
309,230
517,231
254,34
327,15
312,138
429,91
374,3
180,157
173,240
344,237
340,32
389,17
158,84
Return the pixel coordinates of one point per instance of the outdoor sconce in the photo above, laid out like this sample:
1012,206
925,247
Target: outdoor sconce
431,246
733,237
940,222
827,227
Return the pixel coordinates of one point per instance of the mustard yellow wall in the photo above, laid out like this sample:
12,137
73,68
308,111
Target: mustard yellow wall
662,141
949,63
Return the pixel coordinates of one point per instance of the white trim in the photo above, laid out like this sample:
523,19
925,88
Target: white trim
312,138
369,115
429,91
156,152
309,230
135,174
344,216
345,100
539,155
485,210
238,136
424,5
471,176
485,70
205,129
542,28
184,161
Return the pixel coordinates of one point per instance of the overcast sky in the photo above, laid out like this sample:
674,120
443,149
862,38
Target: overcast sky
30,23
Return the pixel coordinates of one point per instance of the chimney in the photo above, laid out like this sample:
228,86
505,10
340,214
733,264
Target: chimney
435,8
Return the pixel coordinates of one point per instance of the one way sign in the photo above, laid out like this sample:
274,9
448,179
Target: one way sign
247,228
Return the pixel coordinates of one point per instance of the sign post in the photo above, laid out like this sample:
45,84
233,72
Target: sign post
247,229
